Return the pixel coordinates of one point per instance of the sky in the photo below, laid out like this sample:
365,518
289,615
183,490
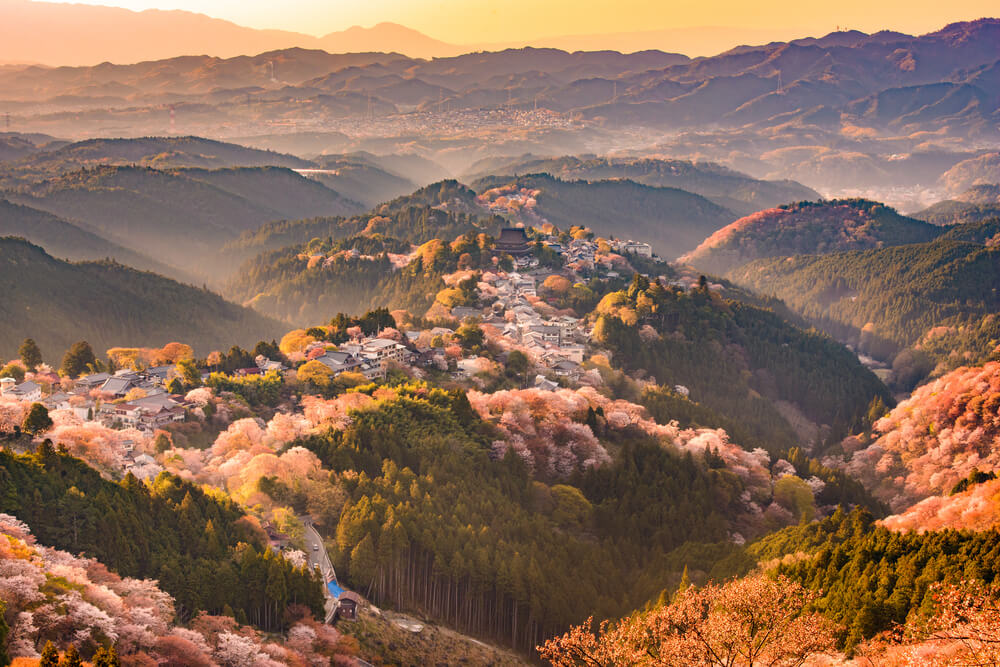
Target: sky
495,21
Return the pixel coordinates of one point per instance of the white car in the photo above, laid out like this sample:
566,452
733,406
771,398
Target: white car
315,547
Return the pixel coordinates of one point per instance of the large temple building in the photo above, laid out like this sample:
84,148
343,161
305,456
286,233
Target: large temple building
513,241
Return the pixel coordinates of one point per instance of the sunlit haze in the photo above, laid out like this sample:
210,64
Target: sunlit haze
486,21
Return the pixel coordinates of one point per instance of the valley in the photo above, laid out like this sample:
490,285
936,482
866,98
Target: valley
504,357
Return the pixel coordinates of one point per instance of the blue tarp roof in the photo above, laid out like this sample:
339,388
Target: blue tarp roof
335,589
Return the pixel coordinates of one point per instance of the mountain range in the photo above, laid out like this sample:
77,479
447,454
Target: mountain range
944,80
123,36
154,211
147,197
49,33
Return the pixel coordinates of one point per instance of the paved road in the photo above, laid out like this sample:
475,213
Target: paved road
316,552
318,557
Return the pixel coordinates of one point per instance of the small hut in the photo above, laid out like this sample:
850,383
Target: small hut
347,606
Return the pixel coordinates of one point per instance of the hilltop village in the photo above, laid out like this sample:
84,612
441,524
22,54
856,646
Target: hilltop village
512,313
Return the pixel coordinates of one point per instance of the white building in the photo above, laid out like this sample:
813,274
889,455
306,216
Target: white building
26,391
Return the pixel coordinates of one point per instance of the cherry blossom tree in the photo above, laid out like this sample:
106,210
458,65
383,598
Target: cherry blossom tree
754,621
235,650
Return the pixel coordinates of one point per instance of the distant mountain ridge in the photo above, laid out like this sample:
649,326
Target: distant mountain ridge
66,240
157,152
172,199
181,216
726,187
48,33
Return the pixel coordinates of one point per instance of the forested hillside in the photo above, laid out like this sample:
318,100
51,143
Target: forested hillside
365,178
937,298
807,228
409,219
738,361
291,285
448,194
14,145
952,212
673,221
109,304
379,267
279,189
69,241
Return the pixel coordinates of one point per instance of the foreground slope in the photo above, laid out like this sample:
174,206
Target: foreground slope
108,304
930,442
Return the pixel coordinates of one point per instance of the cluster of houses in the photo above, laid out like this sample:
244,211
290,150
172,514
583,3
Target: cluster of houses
557,344
368,356
126,399
579,256
102,397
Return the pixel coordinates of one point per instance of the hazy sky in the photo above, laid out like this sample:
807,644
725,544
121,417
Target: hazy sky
483,21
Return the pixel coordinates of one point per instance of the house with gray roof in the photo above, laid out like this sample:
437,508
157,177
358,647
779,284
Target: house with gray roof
26,391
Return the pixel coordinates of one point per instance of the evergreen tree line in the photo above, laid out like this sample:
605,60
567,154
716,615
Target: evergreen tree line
871,578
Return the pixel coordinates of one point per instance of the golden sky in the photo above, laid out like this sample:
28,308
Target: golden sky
487,21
